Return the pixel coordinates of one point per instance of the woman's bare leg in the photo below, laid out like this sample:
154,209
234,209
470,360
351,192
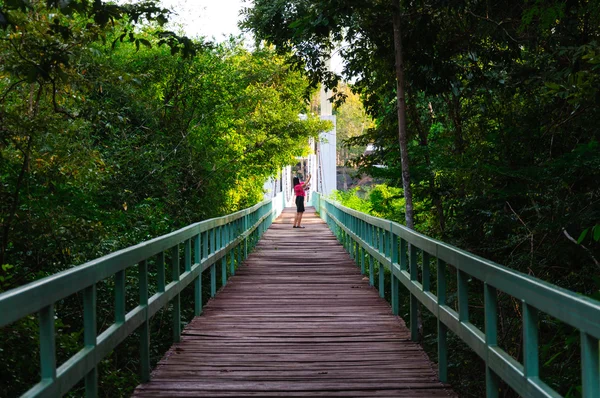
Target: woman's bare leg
299,218
296,217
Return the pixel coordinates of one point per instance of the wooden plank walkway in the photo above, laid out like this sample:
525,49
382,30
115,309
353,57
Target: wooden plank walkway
296,320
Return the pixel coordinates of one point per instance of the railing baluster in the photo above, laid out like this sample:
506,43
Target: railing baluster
213,270
198,279
414,302
177,298
120,296
492,382
224,270
381,280
590,366
232,261
362,261
246,239
239,254
145,327
395,281
205,244
47,343
530,341
212,247
463,296
371,271
219,238
89,337
442,329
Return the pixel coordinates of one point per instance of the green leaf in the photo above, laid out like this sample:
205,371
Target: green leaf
552,86
596,230
582,236
548,362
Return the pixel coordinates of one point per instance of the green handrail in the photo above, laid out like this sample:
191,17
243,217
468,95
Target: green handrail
209,241
396,247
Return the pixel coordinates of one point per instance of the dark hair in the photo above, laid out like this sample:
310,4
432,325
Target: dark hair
296,181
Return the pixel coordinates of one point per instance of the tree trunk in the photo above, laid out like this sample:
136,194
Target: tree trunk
402,136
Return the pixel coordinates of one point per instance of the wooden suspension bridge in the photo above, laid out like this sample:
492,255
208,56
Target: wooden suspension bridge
300,318
296,320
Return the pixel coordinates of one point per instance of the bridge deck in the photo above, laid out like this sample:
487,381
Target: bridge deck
297,319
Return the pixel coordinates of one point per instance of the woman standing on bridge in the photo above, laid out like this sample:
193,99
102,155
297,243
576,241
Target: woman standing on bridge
299,189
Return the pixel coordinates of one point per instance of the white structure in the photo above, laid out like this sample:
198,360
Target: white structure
322,166
282,182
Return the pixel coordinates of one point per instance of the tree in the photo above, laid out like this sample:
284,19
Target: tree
309,32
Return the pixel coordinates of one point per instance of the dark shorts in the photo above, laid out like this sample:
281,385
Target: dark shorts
300,204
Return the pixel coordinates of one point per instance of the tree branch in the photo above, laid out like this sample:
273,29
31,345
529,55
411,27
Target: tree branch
589,252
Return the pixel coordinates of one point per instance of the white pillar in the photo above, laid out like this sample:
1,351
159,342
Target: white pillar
327,150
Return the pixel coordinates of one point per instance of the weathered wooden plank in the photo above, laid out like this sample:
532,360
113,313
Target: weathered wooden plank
297,319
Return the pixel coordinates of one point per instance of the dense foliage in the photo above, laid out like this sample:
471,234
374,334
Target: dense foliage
113,131
502,106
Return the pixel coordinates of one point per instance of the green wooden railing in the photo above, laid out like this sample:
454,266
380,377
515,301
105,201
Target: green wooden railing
389,245
223,240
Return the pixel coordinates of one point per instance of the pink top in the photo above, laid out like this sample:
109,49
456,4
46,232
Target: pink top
299,190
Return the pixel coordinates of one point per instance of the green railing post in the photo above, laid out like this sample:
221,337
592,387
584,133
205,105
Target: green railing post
414,302
463,296
198,279
371,270
381,275
246,238
213,270
590,366
232,261
205,245
442,329
395,281
362,261
224,270
177,298
530,341
239,254
145,327
492,382
47,343
89,337
213,280
120,296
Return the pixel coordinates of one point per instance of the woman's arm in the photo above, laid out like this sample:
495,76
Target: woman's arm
305,183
